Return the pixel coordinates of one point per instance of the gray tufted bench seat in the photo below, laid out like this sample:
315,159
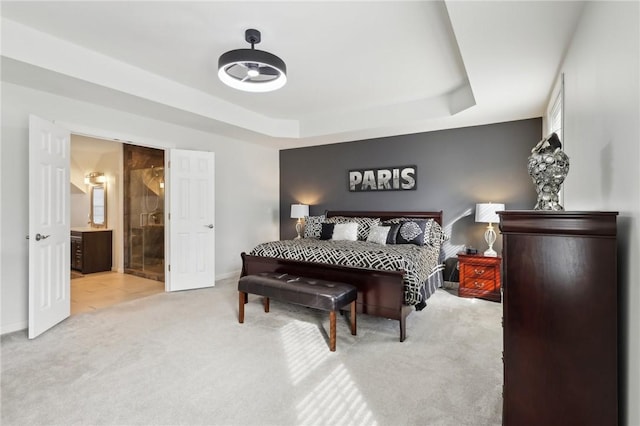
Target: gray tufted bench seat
310,292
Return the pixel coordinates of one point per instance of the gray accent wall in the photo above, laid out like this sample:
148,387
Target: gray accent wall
456,169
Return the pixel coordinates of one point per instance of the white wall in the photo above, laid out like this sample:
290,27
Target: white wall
247,181
602,139
79,209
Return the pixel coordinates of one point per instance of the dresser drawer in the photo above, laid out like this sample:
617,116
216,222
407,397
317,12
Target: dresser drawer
479,284
478,271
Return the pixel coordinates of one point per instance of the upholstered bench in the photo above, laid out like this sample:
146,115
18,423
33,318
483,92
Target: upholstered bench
313,293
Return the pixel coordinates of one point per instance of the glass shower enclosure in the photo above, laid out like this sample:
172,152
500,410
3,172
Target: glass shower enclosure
144,220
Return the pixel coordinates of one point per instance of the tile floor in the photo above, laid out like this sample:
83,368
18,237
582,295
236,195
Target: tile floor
102,289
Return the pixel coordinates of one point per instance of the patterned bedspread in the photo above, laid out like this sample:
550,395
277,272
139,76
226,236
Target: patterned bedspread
419,262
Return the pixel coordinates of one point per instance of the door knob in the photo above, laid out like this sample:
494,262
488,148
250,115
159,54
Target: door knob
41,237
210,226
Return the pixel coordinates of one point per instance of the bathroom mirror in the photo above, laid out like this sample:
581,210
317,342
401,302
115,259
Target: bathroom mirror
98,213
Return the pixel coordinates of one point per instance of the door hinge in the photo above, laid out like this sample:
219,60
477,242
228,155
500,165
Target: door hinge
169,268
169,216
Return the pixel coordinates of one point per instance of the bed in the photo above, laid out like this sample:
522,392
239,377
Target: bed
392,292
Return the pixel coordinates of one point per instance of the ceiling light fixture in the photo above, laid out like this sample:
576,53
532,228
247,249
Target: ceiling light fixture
252,70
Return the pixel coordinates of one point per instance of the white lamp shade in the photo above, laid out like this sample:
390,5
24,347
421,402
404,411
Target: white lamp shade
298,211
486,212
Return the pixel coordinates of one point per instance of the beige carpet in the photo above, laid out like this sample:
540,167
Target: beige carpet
182,358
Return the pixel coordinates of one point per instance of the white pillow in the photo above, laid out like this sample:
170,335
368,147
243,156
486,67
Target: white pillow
378,234
345,231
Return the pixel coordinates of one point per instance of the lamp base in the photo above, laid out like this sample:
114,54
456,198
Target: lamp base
298,229
491,253
490,238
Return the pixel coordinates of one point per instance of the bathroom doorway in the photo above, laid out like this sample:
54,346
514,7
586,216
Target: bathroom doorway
143,211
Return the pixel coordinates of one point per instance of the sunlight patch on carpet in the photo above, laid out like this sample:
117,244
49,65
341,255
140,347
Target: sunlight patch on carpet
336,400
304,347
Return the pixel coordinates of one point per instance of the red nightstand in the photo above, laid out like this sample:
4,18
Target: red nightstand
479,276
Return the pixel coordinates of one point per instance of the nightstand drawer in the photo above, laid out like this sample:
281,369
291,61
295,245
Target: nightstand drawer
478,271
479,284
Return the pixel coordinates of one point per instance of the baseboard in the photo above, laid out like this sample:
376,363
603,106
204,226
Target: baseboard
16,326
232,274
452,285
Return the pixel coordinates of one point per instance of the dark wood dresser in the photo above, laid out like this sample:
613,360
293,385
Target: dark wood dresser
479,276
91,250
560,318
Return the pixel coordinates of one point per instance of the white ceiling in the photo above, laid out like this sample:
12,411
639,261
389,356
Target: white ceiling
356,70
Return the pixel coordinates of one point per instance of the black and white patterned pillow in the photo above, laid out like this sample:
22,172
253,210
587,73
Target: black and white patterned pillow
364,224
414,232
313,226
400,220
436,235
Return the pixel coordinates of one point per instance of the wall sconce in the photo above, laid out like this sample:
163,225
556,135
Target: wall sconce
486,213
298,211
95,178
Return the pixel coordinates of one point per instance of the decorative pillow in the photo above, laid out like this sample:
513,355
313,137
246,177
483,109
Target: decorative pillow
413,232
379,235
393,231
312,226
364,224
437,235
345,231
327,231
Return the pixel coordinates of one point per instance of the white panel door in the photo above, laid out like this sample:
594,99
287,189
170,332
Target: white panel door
49,233
191,220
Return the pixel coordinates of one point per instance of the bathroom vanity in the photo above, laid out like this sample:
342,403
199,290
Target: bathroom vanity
91,250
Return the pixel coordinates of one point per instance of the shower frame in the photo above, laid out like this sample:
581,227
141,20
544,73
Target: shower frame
143,230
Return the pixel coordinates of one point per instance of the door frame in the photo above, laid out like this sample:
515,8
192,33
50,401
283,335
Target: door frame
108,135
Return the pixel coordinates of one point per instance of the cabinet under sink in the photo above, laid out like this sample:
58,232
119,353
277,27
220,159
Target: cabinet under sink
91,250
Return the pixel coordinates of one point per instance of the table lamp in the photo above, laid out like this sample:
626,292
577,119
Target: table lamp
486,213
298,211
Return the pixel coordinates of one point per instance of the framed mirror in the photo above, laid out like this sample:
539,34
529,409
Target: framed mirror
98,214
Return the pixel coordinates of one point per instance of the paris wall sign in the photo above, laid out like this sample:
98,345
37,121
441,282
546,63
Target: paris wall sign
402,178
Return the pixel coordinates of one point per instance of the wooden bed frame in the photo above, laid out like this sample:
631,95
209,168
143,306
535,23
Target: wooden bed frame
380,293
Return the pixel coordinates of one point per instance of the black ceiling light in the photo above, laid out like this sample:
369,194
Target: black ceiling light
252,70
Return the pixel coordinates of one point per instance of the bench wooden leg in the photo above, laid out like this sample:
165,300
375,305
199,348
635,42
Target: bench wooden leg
266,304
241,301
353,318
332,331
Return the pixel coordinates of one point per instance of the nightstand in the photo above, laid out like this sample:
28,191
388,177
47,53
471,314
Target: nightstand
479,276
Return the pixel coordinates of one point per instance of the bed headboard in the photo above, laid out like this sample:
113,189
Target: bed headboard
437,216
